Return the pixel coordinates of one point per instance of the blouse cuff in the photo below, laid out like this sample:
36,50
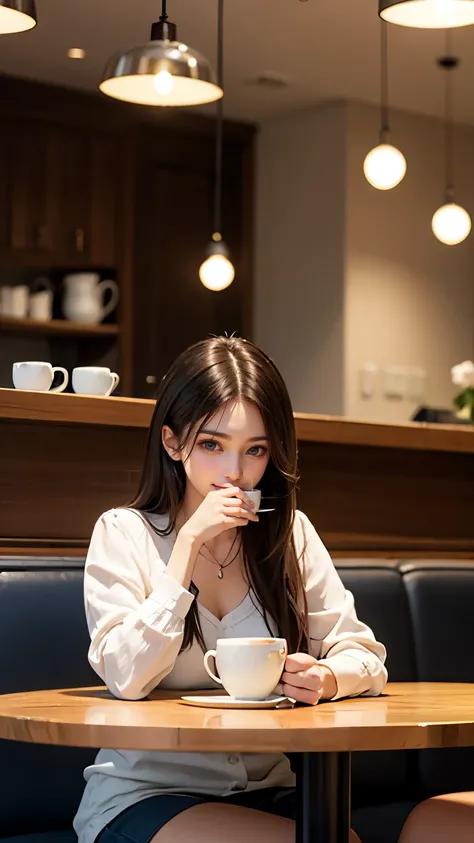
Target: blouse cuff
351,672
169,596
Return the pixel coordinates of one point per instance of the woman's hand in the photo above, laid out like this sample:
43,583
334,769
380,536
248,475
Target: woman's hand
221,510
306,680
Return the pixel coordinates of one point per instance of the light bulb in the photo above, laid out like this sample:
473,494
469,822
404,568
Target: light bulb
384,166
163,82
216,272
451,224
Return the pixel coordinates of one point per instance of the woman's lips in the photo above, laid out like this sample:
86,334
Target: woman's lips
216,486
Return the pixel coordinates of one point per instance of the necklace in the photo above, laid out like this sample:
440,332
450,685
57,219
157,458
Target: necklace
225,563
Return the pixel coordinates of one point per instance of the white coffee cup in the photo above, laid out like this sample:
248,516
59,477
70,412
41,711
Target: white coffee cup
255,496
94,380
248,668
38,376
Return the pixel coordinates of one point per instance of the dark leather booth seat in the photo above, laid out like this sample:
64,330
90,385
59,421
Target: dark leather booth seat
44,643
421,610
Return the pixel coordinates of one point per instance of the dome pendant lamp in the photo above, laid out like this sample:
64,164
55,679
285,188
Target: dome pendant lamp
428,14
162,72
17,16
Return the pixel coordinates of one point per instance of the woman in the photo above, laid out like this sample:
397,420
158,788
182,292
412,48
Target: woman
443,819
189,562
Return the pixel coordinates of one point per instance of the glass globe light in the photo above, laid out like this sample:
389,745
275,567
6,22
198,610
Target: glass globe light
451,224
384,166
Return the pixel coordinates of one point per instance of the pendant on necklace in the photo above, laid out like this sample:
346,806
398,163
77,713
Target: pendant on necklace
220,574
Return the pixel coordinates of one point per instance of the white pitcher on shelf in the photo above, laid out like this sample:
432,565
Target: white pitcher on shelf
83,300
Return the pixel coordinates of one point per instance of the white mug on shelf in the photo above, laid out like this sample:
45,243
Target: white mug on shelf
19,301
41,300
6,300
38,376
41,305
14,300
94,380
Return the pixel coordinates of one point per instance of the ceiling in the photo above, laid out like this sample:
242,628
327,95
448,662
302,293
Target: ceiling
327,49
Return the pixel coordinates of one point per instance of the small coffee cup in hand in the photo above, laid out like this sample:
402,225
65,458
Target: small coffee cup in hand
255,496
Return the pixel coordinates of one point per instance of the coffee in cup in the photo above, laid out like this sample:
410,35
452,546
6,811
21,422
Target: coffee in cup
248,668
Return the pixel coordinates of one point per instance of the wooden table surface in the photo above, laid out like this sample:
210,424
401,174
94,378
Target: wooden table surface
407,716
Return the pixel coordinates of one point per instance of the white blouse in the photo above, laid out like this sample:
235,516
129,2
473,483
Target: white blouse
136,613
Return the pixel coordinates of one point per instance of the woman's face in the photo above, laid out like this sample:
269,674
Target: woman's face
231,448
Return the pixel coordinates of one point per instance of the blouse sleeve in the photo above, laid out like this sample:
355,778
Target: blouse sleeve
136,632
347,646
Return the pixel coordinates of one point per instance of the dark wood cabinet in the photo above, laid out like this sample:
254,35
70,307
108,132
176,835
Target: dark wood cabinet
91,184
61,195
34,212
107,199
174,206
5,196
90,168
74,195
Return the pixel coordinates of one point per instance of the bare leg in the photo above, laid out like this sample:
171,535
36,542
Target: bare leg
215,823
444,819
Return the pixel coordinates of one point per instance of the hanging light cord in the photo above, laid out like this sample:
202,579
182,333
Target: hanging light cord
448,132
220,117
384,126
163,16
448,63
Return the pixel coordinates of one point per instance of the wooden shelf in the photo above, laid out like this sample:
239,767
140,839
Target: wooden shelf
55,327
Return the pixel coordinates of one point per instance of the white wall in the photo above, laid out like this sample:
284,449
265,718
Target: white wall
409,298
346,274
300,254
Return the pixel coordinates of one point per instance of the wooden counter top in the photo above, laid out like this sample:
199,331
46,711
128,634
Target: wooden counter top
136,413
66,408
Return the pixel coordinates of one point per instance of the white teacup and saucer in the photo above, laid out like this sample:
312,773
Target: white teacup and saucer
249,669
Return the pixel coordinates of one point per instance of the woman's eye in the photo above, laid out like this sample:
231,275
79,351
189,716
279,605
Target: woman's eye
211,446
261,451
210,442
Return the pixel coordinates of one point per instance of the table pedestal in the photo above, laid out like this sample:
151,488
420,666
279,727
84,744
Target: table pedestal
323,786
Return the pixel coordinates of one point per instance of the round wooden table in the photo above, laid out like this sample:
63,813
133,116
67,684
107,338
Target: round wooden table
406,716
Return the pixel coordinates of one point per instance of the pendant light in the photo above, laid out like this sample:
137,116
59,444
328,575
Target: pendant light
161,72
384,166
217,271
428,14
451,223
17,16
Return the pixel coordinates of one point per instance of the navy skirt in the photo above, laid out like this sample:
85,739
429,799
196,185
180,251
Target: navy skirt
140,822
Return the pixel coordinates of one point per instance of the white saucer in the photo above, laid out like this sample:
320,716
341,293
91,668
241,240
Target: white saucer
230,702
266,510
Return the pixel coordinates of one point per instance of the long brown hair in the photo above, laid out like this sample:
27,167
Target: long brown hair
200,381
